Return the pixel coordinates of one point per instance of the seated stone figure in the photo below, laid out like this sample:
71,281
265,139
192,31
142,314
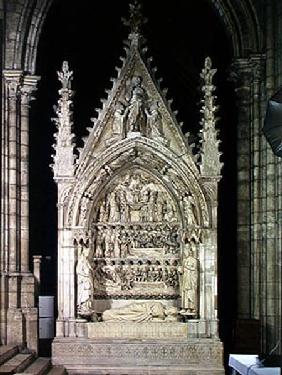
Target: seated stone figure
142,312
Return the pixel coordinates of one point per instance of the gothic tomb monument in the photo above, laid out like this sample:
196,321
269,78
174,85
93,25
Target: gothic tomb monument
137,229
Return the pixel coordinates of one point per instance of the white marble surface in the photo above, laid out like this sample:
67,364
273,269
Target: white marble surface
245,364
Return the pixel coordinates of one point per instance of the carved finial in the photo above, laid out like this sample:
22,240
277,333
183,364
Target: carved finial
136,19
64,146
65,76
210,164
208,73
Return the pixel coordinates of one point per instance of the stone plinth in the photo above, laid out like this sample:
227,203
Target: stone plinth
97,356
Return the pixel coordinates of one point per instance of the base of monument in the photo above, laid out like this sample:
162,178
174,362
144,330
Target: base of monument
128,357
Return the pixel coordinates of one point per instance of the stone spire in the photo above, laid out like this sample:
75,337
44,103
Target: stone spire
210,164
64,147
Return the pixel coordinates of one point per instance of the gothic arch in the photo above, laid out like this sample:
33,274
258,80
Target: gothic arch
27,18
182,173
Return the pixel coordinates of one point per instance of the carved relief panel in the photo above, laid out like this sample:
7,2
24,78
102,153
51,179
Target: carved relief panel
136,240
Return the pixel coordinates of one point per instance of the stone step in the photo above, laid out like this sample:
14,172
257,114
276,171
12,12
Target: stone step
57,370
16,364
38,367
7,352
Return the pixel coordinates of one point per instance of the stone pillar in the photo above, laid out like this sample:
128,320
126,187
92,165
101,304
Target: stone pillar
18,312
271,196
257,204
208,258
241,76
66,270
13,80
28,87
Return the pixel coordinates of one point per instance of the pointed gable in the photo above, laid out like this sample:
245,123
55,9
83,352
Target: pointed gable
136,106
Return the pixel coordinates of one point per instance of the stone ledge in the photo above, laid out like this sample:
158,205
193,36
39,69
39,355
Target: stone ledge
147,370
153,330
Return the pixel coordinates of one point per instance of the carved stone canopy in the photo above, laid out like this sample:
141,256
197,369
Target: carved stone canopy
134,205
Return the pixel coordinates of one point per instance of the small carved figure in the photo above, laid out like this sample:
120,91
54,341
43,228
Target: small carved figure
118,119
136,117
114,211
84,282
116,245
171,277
108,243
155,120
123,245
83,208
142,312
151,205
99,249
127,278
124,207
188,207
189,280
103,217
169,211
159,207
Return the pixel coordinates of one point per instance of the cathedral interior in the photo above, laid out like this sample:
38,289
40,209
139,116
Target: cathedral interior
242,40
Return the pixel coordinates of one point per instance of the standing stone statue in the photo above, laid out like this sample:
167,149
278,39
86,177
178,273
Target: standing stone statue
114,211
99,248
117,126
135,112
108,243
189,281
155,120
188,208
84,283
103,217
124,208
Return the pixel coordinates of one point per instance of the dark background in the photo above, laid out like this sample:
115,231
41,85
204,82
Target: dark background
89,34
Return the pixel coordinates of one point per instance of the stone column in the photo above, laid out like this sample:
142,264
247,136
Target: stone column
13,80
241,76
256,199
14,322
18,308
66,269
271,196
28,87
208,259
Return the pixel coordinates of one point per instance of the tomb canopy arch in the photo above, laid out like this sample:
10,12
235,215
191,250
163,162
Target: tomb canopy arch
174,172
